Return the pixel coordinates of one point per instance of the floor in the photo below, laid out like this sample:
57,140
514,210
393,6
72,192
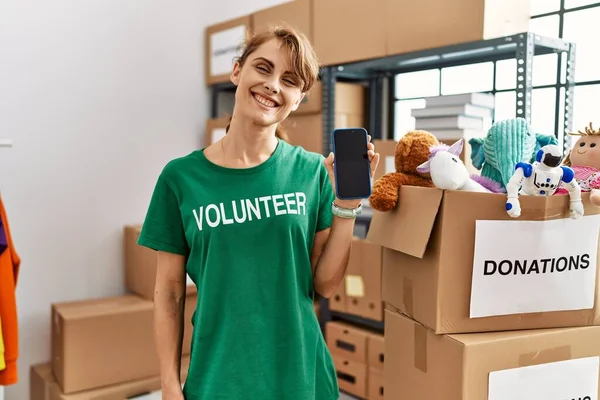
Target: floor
347,397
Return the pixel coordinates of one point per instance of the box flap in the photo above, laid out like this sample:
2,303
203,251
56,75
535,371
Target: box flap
408,227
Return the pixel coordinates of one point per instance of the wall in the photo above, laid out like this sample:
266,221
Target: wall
97,96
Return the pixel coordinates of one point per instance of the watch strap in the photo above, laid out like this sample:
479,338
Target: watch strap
345,212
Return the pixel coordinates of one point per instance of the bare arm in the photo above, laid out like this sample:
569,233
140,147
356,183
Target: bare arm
169,302
330,255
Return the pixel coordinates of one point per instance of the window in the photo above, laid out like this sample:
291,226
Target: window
418,84
468,78
544,6
585,106
576,22
579,28
577,3
404,121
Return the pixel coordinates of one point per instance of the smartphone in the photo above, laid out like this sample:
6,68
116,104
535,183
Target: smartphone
352,169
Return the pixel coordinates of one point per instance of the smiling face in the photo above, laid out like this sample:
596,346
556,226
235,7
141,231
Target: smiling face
268,88
586,152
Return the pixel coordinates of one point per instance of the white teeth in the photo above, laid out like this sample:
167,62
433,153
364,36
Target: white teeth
264,101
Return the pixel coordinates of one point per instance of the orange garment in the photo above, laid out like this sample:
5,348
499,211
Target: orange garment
9,271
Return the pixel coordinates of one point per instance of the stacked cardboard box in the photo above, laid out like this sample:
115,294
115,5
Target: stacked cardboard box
104,348
360,292
358,352
337,28
358,357
305,125
480,305
454,117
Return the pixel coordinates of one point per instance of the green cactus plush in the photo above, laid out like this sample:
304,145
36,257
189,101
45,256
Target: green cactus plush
507,143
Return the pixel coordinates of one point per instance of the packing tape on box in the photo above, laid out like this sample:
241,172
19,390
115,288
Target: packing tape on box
554,354
420,348
407,296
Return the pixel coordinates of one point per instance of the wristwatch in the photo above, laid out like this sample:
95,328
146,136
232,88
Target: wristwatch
345,212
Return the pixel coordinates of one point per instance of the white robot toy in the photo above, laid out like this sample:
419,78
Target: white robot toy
542,178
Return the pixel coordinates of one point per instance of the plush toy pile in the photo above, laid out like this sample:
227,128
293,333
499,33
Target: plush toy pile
512,159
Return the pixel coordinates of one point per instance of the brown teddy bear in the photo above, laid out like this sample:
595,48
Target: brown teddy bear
411,151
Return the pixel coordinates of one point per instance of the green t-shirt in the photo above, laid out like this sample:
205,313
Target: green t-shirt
248,234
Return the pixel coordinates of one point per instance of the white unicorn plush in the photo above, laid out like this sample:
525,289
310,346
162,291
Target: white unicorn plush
448,172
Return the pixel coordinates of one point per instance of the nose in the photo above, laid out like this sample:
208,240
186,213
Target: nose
272,86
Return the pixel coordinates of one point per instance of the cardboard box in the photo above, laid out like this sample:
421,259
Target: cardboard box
352,376
387,154
375,384
349,30
376,351
497,365
43,386
307,130
103,342
337,302
223,42
349,98
141,264
296,14
438,272
480,19
140,277
347,341
363,280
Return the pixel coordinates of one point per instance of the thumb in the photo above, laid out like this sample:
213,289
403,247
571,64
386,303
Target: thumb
329,164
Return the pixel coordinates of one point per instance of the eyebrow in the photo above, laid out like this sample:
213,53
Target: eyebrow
271,64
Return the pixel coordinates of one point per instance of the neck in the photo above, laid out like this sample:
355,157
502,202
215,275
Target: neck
247,144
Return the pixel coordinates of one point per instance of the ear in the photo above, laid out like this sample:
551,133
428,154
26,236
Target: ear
235,74
297,104
456,148
477,153
424,168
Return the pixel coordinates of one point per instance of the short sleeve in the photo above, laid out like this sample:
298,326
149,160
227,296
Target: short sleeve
326,197
163,229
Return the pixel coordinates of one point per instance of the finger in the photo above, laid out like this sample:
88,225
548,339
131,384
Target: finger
374,163
371,146
368,138
371,154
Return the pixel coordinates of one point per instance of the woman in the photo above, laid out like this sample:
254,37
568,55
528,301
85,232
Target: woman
250,219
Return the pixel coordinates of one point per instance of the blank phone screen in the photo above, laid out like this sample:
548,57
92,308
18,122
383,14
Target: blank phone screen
353,177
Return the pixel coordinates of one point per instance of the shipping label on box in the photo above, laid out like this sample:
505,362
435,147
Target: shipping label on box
225,46
534,266
563,380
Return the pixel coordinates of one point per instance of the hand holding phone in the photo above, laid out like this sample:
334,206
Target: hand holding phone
352,166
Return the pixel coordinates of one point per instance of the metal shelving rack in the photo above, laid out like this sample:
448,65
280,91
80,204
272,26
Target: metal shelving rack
522,47
380,73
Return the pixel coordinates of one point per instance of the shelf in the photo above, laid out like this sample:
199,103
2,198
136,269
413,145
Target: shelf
6,143
356,320
459,54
